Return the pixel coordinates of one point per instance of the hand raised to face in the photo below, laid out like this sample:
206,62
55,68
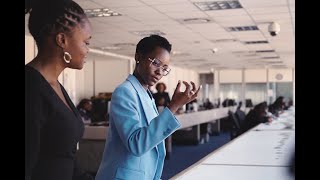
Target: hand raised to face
181,98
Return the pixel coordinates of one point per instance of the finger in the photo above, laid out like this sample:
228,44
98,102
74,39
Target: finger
193,86
196,93
177,90
188,87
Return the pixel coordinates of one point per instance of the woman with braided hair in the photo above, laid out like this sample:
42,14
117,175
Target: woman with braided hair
53,126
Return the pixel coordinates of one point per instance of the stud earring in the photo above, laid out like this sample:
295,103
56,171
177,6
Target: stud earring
67,57
138,62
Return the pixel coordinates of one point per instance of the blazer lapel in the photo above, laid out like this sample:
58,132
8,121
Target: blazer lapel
148,105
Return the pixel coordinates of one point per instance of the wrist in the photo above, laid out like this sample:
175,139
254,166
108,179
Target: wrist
173,108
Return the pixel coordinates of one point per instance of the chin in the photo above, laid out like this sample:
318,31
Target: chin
151,83
78,67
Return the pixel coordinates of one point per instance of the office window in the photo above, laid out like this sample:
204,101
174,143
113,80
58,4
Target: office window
277,89
257,92
230,91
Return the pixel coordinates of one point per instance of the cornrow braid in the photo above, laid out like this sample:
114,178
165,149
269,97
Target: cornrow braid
55,16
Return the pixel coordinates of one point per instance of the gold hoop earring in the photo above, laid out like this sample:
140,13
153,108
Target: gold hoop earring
67,57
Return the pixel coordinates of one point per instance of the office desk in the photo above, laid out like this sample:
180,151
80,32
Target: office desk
263,152
221,172
261,148
196,118
91,147
95,132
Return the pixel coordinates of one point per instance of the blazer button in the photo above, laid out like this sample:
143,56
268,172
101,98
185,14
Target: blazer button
166,132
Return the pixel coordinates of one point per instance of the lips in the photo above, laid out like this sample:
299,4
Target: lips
155,79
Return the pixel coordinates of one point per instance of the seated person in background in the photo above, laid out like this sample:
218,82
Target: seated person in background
241,115
290,103
228,102
161,104
85,109
207,104
249,103
161,87
278,106
256,116
192,106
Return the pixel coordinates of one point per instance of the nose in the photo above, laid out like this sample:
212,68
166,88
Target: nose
159,71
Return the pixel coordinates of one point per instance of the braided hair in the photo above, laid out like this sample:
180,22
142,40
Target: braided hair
51,17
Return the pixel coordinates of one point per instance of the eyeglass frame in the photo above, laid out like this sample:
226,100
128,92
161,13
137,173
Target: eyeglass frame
164,70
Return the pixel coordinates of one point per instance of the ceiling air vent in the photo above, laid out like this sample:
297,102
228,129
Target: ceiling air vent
217,5
265,51
271,57
195,20
223,40
242,28
255,42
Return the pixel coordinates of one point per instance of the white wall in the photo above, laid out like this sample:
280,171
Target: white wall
230,76
109,74
255,75
69,83
88,80
284,75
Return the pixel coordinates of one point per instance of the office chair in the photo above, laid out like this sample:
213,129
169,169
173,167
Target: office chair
235,129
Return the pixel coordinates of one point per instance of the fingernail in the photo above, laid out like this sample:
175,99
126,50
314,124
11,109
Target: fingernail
200,86
179,81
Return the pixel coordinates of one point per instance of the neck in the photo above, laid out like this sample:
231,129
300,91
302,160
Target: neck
140,79
49,66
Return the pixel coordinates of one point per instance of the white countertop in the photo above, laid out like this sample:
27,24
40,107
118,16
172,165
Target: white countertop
262,153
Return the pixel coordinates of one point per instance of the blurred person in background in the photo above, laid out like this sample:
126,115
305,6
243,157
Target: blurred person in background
278,106
85,109
256,116
161,88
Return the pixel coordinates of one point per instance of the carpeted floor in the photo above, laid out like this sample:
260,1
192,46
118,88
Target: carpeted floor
184,156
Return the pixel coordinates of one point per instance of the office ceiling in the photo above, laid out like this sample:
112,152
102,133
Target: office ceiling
233,35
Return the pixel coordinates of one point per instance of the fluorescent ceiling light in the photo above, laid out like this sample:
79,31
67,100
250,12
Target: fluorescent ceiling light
101,12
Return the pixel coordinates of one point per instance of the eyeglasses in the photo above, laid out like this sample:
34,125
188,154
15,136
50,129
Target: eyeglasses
156,63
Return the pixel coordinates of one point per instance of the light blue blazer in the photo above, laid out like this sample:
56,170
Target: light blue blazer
135,145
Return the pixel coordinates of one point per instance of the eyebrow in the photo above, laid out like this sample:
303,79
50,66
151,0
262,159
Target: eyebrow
165,65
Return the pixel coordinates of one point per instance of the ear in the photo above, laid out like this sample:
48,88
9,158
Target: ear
137,57
61,40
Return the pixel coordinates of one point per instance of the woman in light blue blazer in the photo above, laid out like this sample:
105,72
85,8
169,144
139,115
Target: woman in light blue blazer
135,145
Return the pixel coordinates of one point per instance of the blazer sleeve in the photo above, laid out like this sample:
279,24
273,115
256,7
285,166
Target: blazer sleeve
137,139
34,118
